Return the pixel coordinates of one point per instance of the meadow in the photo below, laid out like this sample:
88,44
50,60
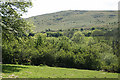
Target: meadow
28,71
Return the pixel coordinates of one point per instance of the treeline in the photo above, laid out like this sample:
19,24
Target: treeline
69,48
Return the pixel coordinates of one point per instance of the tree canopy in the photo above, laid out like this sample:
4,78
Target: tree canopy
11,21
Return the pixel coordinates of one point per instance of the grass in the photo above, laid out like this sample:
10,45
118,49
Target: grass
27,71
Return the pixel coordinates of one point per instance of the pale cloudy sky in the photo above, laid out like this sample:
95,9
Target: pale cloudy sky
49,6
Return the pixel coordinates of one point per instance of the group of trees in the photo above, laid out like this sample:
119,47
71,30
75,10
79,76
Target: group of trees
78,51
70,49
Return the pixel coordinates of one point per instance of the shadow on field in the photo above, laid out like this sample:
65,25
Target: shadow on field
11,68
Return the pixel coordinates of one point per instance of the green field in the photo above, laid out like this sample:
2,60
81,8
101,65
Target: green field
22,71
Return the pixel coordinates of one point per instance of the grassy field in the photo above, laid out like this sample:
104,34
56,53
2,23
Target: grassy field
22,71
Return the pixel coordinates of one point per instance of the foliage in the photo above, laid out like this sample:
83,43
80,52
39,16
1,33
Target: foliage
76,52
78,37
11,21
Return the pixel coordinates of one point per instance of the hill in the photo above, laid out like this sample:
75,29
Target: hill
74,19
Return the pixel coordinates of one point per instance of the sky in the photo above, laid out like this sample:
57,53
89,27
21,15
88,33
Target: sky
50,6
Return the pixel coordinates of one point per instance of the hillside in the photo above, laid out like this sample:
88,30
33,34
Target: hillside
74,19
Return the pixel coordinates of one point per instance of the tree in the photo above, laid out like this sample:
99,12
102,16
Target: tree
81,29
38,41
13,28
11,21
92,28
78,37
